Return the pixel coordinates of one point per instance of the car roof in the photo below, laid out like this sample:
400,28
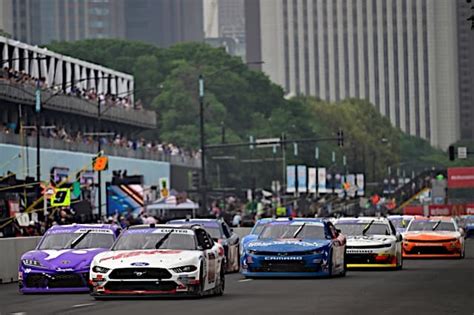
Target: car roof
447,219
363,219
163,226
75,226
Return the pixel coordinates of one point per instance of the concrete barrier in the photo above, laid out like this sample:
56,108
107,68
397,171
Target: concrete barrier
11,250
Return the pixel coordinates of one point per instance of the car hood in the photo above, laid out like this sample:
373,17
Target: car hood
370,240
294,245
64,259
430,235
150,257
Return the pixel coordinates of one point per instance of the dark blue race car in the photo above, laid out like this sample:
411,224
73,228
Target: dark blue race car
295,248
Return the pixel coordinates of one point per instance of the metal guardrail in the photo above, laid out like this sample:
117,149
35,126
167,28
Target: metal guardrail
11,250
24,94
139,153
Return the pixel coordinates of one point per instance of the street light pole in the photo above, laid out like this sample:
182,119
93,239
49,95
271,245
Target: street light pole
38,130
203,146
99,148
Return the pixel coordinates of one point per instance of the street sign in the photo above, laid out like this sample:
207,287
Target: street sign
267,142
62,198
462,152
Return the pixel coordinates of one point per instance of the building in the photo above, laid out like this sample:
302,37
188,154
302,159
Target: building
160,22
40,22
402,55
466,70
224,25
164,22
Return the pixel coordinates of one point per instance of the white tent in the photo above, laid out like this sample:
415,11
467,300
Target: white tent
166,206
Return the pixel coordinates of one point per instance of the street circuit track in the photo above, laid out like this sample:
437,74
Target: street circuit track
422,287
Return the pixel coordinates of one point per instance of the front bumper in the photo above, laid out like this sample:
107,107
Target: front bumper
285,266
169,283
360,257
49,281
414,249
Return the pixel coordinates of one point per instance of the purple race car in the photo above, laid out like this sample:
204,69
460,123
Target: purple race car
61,261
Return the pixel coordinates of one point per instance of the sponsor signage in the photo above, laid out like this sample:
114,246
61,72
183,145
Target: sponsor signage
322,189
312,180
290,178
470,208
440,210
360,182
302,179
413,210
461,177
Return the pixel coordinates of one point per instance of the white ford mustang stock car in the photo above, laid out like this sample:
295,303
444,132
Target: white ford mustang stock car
372,242
157,260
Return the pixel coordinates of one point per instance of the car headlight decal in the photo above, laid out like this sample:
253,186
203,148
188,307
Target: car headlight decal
188,268
31,263
99,269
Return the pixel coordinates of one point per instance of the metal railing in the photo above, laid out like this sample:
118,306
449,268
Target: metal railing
139,153
24,94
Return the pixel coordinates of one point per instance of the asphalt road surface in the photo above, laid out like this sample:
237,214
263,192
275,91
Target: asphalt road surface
422,287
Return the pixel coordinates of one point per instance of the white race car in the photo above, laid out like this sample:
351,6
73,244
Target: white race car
371,242
159,260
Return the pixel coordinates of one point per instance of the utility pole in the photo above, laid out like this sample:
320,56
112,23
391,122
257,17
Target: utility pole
38,130
99,148
203,146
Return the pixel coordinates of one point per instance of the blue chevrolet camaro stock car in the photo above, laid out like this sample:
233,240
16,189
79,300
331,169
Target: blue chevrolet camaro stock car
295,248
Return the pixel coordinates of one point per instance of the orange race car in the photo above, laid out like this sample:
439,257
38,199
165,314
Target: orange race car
433,237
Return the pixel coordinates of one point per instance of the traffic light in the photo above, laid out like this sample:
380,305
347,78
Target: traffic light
196,179
340,138
451,153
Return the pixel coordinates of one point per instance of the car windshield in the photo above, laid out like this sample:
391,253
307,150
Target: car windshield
285,231
363,228
257,229
211,227
469,220
400,223
65,240
133,239
431,225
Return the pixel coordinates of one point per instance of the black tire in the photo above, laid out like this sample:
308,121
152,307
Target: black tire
200,289
400,266
221,286
343,273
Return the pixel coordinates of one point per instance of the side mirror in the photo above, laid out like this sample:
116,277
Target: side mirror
399,237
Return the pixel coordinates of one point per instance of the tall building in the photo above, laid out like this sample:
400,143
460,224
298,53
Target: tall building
224,25
40,22
164,22
160,22
466,70
401,55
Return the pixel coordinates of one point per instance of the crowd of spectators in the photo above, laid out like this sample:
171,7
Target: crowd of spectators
117,141
105,99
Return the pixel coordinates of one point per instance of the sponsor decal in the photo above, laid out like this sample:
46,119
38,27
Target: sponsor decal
140,253
65,262
140,264
283,258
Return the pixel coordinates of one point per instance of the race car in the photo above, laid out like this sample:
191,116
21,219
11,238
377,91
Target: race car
371,243
295,248
468,225
224,235
400,222
157,260
433,237
258,227
62,258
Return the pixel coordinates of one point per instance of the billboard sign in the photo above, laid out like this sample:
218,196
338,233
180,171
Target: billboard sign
312,180
461,177
360,182
302,179
322,189
290,178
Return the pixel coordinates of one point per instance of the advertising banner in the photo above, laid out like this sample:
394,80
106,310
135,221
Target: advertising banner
338,180
302,179
322,189
360,182
461,177
312,180
290,179
470,208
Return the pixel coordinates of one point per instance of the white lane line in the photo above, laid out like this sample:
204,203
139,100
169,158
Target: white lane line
83,305
245,280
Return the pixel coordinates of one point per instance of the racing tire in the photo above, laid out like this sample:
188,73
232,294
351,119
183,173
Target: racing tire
221,287
400,264
200,290
344,270
463,252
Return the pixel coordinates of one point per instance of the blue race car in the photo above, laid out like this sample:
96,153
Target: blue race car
295,248
468,222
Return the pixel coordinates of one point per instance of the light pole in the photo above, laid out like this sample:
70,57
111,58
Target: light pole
203,146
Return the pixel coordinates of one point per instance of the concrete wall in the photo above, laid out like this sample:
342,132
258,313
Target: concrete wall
11,250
